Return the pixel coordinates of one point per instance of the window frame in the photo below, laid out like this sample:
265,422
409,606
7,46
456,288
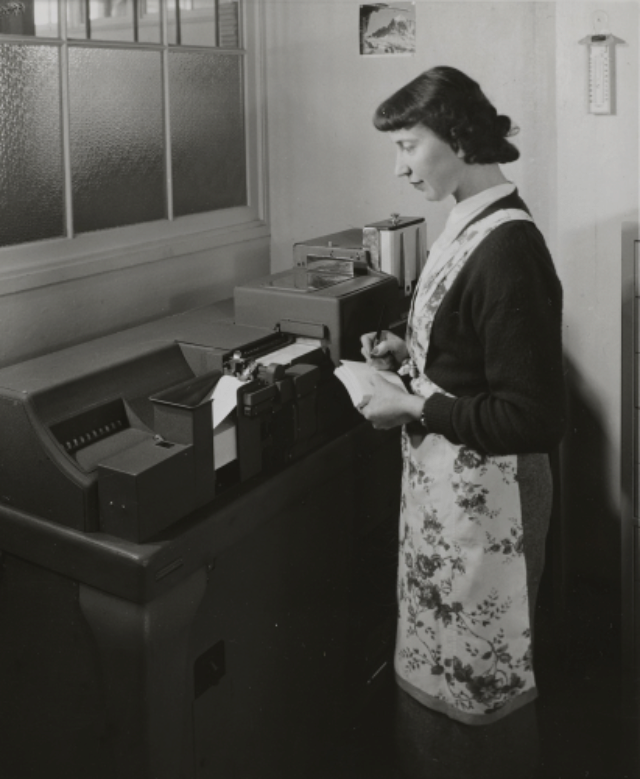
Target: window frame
40,263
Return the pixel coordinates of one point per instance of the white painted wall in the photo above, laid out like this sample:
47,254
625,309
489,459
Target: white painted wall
330,169
596,190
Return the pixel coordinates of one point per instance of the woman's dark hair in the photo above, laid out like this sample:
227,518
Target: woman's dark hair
453,106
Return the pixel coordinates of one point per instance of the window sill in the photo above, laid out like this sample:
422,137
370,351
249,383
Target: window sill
29,266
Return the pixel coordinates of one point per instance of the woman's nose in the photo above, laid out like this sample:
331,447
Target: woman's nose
402,169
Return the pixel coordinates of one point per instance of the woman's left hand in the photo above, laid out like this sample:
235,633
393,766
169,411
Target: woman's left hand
390,406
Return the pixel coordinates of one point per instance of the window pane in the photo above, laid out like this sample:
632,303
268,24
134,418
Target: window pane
31,177
46,18
207,131
113,20
76,19
229,31
117,138
149,22
204,23
29,17
17,19
198,23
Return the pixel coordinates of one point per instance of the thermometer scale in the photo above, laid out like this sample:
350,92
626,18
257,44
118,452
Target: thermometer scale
600,74
601,65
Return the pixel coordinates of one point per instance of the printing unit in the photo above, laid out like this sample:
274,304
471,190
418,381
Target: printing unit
323,292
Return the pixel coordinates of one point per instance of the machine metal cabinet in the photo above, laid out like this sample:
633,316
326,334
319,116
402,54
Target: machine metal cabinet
162,621
237,645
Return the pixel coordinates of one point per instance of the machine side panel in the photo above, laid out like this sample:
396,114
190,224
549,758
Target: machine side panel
32,481
52,708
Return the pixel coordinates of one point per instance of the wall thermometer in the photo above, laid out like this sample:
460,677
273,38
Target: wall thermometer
601,65
601,74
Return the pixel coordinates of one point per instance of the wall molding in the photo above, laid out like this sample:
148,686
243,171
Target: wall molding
23,275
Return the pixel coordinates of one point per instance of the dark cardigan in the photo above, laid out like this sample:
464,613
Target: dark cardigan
496,345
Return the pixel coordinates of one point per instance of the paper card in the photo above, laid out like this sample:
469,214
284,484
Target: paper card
225,398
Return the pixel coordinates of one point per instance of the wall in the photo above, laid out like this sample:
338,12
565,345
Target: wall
330,169
46,318
596,190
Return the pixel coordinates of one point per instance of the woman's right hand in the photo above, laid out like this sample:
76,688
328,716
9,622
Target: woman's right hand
388,354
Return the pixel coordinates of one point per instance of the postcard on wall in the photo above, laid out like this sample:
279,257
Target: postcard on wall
388,28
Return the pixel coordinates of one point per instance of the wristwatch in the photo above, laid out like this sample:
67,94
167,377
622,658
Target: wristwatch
423,416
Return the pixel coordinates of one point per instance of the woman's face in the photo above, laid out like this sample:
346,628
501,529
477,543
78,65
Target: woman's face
429,163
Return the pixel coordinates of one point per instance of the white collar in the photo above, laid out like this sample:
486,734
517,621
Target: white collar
464,212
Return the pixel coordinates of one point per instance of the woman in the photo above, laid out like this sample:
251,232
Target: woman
483,360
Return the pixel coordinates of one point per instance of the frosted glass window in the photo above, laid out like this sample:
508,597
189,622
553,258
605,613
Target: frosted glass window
31,172
207,131
120,146
116,137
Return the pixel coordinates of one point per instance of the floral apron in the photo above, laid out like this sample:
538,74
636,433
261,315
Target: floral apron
464,640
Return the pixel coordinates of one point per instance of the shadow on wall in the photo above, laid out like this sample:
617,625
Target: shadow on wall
591,530
581,712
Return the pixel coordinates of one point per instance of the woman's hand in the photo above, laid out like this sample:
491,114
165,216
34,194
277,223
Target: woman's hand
389,405
387,355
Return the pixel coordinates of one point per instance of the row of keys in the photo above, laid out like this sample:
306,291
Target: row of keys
93,435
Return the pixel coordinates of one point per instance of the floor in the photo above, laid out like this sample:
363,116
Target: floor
578,738
581,729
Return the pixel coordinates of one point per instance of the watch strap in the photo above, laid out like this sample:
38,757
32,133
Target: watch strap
423,416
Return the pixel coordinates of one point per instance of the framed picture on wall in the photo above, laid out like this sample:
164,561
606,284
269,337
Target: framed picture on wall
388,28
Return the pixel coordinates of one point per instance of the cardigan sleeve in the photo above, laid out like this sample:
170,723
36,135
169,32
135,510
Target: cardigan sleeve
513,298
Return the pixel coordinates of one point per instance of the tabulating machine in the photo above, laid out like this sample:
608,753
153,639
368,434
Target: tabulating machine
177,587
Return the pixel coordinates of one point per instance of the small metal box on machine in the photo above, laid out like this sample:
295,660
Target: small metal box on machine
339,285
398,246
